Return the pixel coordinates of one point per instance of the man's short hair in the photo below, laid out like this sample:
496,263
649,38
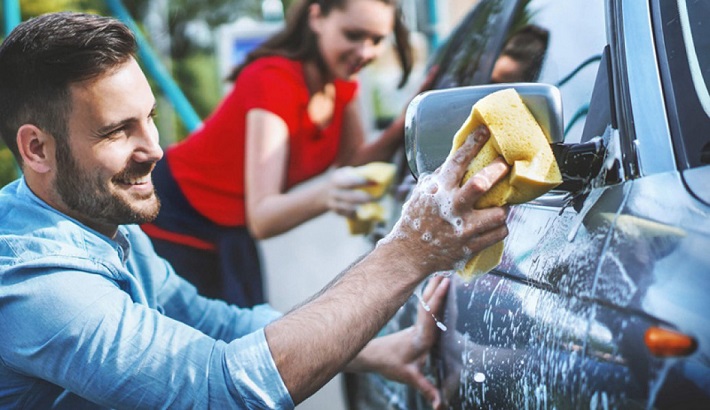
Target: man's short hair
43,57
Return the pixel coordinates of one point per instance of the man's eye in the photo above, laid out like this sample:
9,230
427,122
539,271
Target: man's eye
114,133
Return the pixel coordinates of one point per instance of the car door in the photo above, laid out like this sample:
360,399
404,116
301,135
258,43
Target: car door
465,58
653,277
517,336
603,304
520,334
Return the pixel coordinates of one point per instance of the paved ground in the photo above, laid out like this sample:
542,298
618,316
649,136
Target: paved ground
301,262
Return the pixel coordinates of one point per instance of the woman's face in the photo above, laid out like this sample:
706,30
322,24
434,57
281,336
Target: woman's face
352,37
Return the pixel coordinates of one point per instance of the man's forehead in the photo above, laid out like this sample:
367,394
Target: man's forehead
122,89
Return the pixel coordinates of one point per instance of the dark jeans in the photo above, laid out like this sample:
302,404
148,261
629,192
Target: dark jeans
230,271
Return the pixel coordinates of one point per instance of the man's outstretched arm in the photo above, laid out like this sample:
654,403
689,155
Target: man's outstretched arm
438,230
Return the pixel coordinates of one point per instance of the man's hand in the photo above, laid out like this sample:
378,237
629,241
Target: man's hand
439,225
401,356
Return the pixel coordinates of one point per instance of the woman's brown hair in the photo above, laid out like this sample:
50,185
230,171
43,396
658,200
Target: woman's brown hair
297,41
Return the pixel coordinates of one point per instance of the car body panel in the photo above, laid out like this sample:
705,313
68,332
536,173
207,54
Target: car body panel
531,311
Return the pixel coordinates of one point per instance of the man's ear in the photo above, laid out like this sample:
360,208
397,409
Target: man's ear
36,148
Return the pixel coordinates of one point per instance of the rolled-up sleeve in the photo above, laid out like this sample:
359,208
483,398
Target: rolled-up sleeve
256,379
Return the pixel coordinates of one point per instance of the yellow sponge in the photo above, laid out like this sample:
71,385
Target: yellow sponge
381,175
518,138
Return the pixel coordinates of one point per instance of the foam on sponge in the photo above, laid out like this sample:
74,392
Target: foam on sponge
516,136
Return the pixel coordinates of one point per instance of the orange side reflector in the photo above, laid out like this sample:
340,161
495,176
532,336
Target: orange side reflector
667,343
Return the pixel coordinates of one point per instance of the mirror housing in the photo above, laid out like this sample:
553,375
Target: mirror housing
433,117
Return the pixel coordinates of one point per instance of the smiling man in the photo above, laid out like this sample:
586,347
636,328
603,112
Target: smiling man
91,317
103,178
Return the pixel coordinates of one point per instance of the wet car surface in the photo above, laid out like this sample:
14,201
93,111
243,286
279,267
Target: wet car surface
602,298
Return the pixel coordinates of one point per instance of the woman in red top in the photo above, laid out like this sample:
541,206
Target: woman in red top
291,115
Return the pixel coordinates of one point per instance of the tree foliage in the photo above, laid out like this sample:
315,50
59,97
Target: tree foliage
180,14
31,8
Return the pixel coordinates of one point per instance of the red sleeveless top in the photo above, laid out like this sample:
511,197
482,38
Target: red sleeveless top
209,164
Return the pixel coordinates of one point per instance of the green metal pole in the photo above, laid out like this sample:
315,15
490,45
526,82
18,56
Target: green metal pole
153,65
13,17
433,13
11,11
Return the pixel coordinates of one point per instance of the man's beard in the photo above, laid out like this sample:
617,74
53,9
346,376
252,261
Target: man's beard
91,196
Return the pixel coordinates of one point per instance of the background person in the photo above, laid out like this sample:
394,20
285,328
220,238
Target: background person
522,56
291,115
93,318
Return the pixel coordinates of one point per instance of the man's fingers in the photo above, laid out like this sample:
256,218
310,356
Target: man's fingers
488,238
482,181
455,166
488,219
431,285
430,309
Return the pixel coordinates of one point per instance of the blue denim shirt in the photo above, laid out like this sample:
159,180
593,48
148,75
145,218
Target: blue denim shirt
87,321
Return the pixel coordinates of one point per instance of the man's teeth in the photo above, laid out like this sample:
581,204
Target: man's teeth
137,181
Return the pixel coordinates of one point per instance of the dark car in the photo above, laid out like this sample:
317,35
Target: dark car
602,299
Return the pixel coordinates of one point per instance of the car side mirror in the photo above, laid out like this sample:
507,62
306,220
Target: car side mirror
433,117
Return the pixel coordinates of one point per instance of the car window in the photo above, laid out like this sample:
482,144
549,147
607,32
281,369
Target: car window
569,59
577,41
468,54
685,40
696,35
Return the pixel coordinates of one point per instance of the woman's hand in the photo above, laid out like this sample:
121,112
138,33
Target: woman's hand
342,194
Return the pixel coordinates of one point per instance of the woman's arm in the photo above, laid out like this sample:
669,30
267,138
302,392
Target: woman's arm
271,210
356,150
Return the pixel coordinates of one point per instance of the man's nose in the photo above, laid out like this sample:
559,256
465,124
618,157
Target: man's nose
148,144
